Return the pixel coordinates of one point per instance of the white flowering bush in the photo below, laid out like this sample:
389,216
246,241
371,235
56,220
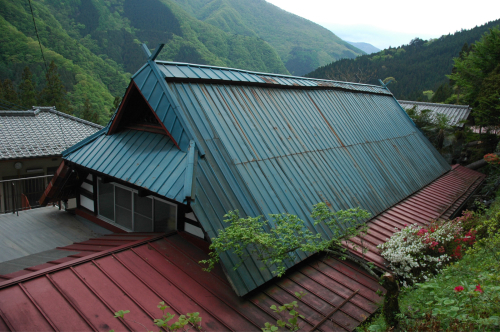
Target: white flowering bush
416,253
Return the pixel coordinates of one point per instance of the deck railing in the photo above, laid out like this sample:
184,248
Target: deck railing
22,193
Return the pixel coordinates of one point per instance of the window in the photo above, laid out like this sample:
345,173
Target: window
123,206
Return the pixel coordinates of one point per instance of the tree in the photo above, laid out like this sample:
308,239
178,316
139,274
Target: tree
428,94
9,93
27,91
488,99
443,92
54,93
476,75
89,113
353,73
116,103
275,241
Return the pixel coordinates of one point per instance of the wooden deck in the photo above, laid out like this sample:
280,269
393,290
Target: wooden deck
39,230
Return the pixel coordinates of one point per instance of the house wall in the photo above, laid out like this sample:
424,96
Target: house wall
30,168
88,206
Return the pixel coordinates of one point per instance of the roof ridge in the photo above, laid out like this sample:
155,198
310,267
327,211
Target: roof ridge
262,73
436,104
52,109
17,112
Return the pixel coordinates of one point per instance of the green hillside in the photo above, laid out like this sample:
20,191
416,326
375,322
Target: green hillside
84,74
96,44
417,67
301,44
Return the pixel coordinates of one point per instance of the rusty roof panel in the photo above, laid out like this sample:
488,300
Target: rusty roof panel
84,294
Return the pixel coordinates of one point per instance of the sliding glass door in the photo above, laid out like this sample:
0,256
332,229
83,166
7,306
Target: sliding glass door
124,207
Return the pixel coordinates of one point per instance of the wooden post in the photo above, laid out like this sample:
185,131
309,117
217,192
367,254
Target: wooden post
391,302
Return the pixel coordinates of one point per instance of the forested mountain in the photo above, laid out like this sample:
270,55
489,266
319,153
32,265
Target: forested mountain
417,67
301,44
95,44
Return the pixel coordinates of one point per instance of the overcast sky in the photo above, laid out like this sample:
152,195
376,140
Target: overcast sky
390,22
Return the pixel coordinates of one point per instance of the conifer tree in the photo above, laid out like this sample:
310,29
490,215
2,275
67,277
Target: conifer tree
27,90
89,113
478,74
54,93
9,92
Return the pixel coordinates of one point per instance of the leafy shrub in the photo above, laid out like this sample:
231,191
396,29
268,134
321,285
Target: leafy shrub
166,323
284,323
466,295
275,241
417,253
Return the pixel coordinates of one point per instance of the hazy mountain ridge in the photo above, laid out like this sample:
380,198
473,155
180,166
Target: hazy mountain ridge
365,47
419,66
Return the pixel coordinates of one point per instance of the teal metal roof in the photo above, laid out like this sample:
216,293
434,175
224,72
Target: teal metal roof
269,144
283,150
147,160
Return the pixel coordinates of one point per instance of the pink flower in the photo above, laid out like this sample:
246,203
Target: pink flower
478,289
422,232
459,289
441,250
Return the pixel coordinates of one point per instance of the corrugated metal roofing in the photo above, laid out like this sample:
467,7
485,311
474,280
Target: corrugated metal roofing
145,159
454,113
441,199
281,150
83,294
192,72
40,132
271,150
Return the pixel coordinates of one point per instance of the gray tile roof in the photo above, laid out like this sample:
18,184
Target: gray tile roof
40,132
455,113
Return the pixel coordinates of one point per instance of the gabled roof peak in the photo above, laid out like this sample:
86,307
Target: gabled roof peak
135,113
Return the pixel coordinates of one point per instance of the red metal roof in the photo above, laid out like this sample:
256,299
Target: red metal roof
441,199
84,292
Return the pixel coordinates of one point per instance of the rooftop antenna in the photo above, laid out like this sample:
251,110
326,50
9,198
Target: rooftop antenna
152,56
